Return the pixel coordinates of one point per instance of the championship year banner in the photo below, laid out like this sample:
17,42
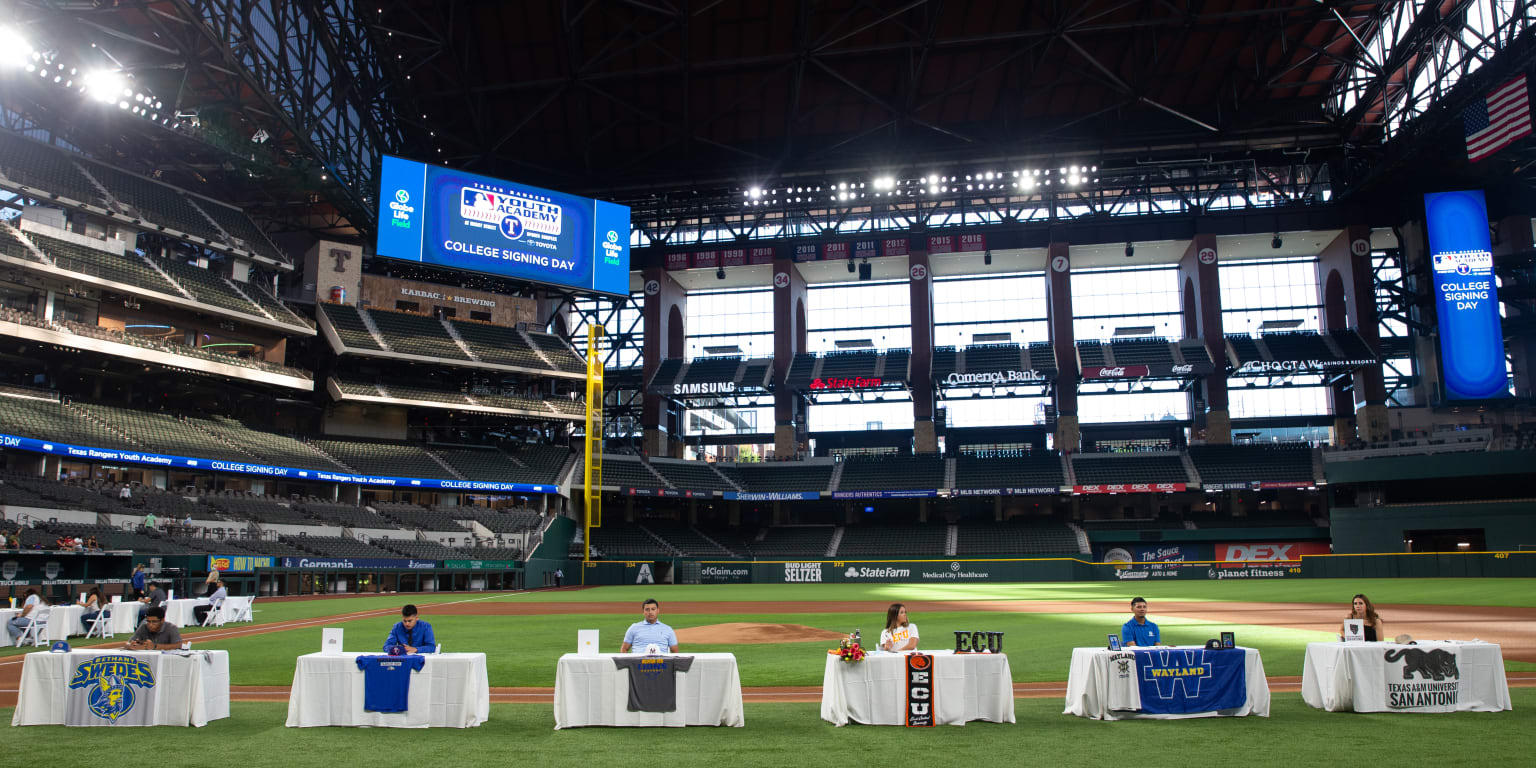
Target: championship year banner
461,220
1466,296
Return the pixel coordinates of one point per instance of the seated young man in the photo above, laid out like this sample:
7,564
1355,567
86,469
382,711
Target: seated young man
411,634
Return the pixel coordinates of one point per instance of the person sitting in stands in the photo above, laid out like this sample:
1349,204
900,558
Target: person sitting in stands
92,545
411,634
63,542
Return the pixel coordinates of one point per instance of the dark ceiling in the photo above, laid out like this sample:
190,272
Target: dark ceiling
605,96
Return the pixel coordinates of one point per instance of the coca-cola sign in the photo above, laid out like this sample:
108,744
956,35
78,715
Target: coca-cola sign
852,382
1115,372
992,378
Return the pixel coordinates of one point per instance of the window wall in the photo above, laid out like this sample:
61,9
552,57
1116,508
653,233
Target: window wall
965,306
1273,291
624,330
740,318
1106,299
880,312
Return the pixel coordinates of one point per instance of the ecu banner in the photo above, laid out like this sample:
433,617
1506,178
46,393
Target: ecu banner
920,705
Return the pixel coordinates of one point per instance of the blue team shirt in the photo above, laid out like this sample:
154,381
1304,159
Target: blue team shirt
1141,634
138,580
641,634
419,637
387,681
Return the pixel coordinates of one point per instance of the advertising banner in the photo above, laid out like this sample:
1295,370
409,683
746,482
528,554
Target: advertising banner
1044,490
913,494
725,573
480,565
1466,296
668,493
349,563
1270,551
239,563
772,495
114,455
461,220
1116,372
1129,488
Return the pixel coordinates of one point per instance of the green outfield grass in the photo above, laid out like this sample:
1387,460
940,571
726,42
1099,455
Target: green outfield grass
780,734
522,650
1501,592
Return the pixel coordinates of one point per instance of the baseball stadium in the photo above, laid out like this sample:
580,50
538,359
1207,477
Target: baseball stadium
605,381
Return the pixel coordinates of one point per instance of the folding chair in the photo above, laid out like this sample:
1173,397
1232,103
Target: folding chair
100,625
37,630
215,615
242,609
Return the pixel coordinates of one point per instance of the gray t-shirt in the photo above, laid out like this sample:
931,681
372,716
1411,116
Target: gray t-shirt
168,634
156,596
653,681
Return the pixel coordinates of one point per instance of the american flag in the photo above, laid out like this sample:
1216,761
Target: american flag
1495,122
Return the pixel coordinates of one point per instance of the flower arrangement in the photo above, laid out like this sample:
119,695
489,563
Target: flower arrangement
849,650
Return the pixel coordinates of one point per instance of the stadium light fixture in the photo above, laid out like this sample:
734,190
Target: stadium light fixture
103,85
15,51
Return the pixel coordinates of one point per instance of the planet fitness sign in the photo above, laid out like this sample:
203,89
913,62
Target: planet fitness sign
1466,296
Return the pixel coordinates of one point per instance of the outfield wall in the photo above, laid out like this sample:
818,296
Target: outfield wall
956,571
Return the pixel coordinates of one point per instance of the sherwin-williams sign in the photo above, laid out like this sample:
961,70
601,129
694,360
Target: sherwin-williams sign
1466,296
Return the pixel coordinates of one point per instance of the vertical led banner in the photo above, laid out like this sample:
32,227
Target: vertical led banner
1466,297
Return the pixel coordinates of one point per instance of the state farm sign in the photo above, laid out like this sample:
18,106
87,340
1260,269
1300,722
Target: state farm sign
852,382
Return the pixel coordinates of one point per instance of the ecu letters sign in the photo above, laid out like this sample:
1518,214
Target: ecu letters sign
920,712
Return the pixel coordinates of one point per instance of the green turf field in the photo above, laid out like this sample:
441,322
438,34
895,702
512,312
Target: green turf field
777,734
521,650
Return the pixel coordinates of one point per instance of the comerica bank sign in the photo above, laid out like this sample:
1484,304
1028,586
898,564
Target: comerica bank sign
986,378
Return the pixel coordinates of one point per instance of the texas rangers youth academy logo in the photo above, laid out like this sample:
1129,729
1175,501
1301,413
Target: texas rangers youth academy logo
112,680
1177,669
509,212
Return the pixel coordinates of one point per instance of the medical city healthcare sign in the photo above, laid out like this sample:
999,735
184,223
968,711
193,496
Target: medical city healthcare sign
461,220
1466,296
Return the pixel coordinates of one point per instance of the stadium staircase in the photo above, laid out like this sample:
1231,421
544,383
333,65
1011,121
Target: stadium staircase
26,242
837,541
1068,476
665,545
373,329
660,479
837,479
537,350
949,473
129,254
453,333
446,467
1319,476
1189,469
952,539
1082,538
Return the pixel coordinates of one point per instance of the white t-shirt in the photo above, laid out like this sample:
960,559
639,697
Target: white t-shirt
899,636
36,603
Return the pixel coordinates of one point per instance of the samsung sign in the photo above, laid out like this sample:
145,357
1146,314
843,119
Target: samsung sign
1466,296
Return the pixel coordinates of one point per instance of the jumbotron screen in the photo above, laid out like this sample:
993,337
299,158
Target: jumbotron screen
460,220
1466,296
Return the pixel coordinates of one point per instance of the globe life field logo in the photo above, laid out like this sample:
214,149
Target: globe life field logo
400,210
612,248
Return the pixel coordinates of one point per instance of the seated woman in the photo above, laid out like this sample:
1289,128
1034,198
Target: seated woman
1362,609
94,606
899,634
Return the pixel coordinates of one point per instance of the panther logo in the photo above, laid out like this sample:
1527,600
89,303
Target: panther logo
1430,665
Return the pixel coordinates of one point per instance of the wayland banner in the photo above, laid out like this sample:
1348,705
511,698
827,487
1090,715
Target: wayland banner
1177,681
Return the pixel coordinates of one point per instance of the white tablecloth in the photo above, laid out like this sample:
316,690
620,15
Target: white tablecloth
234,606
1088,688
451,691
967,686
190,689
1340,677
123,618
65,621
179,611
590,690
